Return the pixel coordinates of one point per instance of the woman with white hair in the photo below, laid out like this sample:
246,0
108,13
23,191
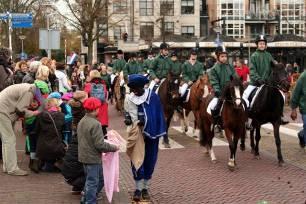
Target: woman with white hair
41,77
30,76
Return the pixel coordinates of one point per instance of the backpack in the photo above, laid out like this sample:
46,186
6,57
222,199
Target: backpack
97,91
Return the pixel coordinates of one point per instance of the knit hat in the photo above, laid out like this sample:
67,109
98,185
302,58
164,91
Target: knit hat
137,80
43,86
67,96
91,104
55,95
80,95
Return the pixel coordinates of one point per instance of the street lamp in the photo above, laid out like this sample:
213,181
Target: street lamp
22,37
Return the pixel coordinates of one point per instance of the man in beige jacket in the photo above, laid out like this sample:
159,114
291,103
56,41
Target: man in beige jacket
14,103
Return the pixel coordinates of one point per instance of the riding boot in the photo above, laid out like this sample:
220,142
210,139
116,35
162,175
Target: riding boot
122,90
215,113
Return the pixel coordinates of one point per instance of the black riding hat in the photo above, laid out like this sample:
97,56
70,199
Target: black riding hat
261,38
164,46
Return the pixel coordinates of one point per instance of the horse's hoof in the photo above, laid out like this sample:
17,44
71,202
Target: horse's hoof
242,147
281,163
252,151
231,167
257,157
214,161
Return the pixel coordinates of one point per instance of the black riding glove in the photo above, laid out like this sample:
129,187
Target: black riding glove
259,82
217,94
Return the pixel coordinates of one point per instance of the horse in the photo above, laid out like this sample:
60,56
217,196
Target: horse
233,119
168,92
199,90
268,107
117,94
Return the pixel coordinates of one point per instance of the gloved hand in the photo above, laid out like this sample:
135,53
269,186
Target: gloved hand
259,82
217,94
127,122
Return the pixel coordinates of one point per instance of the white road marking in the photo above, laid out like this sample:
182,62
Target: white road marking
285,130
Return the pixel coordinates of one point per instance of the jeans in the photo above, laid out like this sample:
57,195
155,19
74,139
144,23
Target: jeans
94,182
304,127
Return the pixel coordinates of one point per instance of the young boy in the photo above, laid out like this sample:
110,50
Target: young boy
91,145
219,75
143,114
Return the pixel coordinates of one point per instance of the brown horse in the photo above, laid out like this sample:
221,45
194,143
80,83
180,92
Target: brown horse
199,90
118,95
233,119
170,98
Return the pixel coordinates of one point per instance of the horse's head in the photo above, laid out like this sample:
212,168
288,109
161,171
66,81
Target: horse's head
173,86
279,77
204,85
233,92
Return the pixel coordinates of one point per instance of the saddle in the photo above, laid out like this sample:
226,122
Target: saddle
186,96
252,96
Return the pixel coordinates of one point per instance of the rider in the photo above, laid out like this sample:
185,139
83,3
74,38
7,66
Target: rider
142,69
192,69
148,62
118,65
175,65
160,67
260,67
219,75
131,67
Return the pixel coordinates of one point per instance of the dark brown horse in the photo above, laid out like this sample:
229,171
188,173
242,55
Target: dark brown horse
233,119
268,107
198,91
169,95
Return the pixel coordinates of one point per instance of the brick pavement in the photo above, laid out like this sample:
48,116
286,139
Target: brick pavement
182,176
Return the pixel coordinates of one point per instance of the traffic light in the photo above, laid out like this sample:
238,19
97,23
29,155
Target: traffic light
125,37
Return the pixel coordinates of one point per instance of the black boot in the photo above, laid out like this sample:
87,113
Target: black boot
145,194
137,196
215,113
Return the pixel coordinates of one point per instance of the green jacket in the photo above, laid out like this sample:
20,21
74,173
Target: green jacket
260,66
176,67
106,77
147,64
160,67
118,65
219,76
298,98
192,72
133,67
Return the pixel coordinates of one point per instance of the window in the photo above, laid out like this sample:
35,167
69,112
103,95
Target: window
167,8
188,31
169,27
120,6
118,30
187,7
146,30
146,8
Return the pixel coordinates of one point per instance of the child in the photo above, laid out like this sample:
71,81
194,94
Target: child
49,125
91,145
72,169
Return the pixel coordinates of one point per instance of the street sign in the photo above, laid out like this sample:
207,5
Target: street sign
3,16
49,39
22,20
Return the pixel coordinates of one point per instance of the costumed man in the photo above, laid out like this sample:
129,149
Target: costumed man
148,62
160,66
192,70
145,120
219,75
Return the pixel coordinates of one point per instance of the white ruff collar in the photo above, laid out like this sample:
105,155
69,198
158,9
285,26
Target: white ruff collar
137,100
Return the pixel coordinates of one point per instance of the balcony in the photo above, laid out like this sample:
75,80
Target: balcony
261,17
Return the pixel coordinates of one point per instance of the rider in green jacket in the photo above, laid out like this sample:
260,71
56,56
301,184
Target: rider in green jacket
219,75
175,65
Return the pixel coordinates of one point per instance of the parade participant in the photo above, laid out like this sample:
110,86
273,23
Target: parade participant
219,75
20,72
175,65
132,67
160,66
192,70
97,88
144,116
49,126
30,76
72,169
105,76
242,70
297,68
260,69
91,145
148,62
62,78
14,103
118,65
298,99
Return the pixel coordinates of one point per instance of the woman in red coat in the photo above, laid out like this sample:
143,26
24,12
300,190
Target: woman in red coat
96,87
242,70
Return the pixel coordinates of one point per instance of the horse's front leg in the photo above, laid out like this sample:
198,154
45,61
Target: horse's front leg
231,161
242,140
257,138
168,116
276,126
252,143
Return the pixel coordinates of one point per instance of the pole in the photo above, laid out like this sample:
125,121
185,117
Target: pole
65,51
48,28
10,33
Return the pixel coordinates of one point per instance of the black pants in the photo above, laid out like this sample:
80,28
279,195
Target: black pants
0,149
